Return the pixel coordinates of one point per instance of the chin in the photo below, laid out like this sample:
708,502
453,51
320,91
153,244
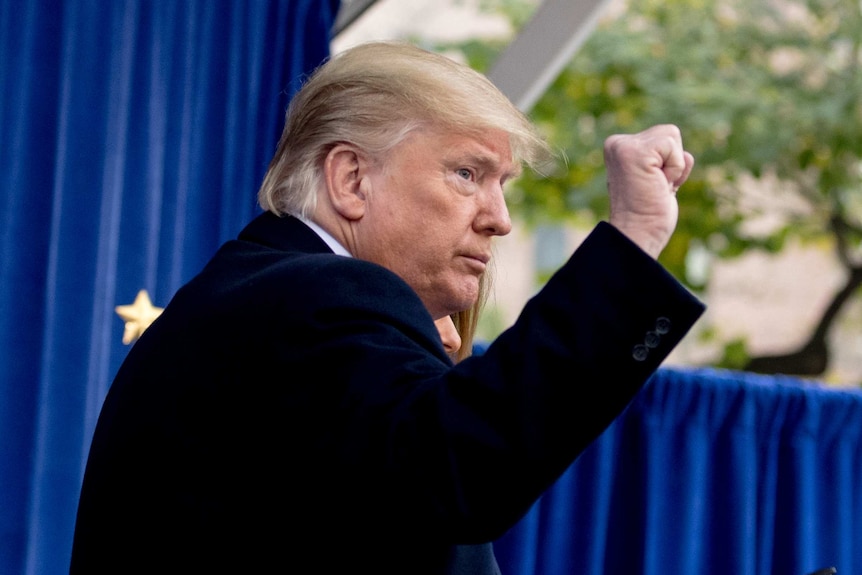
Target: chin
461,296
468,300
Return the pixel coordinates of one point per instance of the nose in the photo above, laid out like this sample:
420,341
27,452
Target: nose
493,217
449,335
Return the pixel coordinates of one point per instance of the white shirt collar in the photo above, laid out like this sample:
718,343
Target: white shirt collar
333,244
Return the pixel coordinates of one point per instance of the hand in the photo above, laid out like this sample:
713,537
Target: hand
645,170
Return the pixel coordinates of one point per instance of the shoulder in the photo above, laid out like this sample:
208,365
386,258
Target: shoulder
333,277
253,277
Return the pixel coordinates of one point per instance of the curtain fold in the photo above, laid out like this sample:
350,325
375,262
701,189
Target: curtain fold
708,471
133,137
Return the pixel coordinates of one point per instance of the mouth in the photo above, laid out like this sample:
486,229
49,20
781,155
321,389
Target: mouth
478,261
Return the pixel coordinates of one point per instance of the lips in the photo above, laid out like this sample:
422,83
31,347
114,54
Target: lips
477,261
484,258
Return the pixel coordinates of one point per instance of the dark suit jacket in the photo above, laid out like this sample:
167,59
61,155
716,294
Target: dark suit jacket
293,411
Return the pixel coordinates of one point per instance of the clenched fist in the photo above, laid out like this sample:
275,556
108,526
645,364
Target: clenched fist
644,172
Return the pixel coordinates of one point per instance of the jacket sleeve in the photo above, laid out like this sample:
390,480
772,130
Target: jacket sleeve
471,447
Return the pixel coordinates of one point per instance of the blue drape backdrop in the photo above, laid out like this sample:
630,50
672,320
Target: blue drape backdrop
133,136
708,472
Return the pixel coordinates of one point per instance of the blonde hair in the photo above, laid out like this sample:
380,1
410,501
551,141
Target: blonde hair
372,96
467,321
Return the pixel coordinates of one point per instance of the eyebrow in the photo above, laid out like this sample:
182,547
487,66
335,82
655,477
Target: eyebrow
486,161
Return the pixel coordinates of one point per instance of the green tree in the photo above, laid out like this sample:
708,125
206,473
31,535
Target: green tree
761,90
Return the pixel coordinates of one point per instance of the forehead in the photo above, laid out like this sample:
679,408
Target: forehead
489,149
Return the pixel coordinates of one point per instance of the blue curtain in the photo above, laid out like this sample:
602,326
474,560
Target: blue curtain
133,136
708,472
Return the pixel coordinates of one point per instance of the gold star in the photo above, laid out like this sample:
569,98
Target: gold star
138,316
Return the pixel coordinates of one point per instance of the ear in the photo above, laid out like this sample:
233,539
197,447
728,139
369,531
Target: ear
346,177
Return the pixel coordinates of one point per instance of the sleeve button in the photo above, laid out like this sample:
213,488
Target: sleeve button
662,325
640,352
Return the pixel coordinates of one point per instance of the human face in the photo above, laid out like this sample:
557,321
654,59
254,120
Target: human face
448,334
432,208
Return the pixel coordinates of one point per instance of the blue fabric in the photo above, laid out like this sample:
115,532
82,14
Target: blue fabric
133,137
708,472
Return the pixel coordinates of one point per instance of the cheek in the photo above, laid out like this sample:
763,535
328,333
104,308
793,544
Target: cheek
436,249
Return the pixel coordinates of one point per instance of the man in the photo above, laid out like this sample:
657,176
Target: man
293,409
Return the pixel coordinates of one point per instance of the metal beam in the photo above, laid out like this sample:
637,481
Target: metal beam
348,12
544,46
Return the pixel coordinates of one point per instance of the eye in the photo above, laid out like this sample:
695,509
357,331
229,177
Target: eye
465,173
